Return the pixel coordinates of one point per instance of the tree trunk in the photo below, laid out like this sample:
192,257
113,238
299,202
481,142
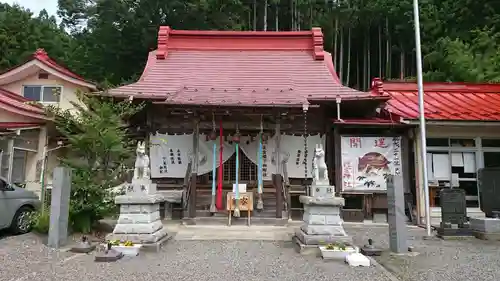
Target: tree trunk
369,72
358,70
265,15
348,56
387,50
341,68
380,52
311,13
402,63
254,15
335,43
276,17
365,63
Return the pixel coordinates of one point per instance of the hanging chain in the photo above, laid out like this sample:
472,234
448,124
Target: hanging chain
261,125
213,121
305,145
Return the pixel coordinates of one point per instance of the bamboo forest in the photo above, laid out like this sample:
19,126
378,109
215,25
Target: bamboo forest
105,40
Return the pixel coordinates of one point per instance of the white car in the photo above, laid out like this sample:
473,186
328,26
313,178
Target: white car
16,206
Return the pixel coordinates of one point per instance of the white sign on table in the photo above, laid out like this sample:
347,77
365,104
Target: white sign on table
242,187
367,161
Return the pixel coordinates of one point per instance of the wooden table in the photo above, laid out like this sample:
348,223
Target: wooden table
246,204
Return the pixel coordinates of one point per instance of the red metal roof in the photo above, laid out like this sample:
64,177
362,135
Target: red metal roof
17,125
442,101
238,68
42,56
17,104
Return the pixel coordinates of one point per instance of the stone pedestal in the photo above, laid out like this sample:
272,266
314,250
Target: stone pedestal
139,219
485,228
322,221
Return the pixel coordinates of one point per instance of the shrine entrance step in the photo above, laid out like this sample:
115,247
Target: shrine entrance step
234,232
222,220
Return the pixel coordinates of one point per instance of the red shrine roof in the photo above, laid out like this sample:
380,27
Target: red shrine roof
14,103
442,101
41,60
240,68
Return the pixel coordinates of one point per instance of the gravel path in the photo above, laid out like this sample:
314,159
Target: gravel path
438,260
20,255
212,260
24,258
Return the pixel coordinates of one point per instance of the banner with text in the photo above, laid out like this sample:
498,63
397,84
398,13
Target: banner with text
366,162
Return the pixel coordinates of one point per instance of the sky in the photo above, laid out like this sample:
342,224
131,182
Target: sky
36,6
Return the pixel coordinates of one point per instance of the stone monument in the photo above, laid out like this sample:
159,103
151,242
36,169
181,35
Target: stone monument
489,183
322,221
139,220
396,217
454,221
59,207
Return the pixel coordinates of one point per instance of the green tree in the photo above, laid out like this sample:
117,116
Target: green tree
99,149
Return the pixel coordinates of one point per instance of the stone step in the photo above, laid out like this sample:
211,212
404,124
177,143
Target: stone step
234,232
242,220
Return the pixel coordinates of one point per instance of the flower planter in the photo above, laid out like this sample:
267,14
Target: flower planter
337,254
127,250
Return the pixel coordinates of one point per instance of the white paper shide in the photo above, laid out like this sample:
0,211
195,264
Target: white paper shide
367,161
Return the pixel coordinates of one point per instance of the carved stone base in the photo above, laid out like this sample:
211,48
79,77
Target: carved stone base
310,239
139,219
322,221
139,238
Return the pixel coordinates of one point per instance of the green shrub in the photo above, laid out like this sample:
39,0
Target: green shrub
40,222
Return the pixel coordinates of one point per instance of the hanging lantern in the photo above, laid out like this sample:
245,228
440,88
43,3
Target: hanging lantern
213,135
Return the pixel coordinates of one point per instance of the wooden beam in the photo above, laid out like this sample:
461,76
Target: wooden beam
194,172
278,178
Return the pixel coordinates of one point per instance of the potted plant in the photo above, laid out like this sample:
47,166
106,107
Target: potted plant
337,251
127,248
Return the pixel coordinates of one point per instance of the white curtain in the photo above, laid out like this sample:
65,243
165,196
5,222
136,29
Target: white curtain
170,154
294,146
250,148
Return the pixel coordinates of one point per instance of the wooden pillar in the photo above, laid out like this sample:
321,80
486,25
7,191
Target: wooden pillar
194,171
337,160
278,178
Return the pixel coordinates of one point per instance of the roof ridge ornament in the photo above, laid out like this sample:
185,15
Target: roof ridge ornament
41,53
377,86
162,50
318,52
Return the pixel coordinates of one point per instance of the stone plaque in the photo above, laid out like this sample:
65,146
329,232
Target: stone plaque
453,207
322,191
489,190
396,216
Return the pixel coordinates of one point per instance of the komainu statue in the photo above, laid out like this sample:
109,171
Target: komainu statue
319,169
141,170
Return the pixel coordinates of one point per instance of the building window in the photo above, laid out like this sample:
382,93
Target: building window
47,94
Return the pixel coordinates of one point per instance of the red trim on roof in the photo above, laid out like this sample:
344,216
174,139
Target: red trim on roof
18,125
17,104
247,68
443,101
42,56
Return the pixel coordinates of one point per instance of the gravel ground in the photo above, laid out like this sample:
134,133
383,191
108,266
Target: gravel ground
211,260
438,260
25,258
20,255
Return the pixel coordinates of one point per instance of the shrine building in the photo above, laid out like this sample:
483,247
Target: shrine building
246,110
